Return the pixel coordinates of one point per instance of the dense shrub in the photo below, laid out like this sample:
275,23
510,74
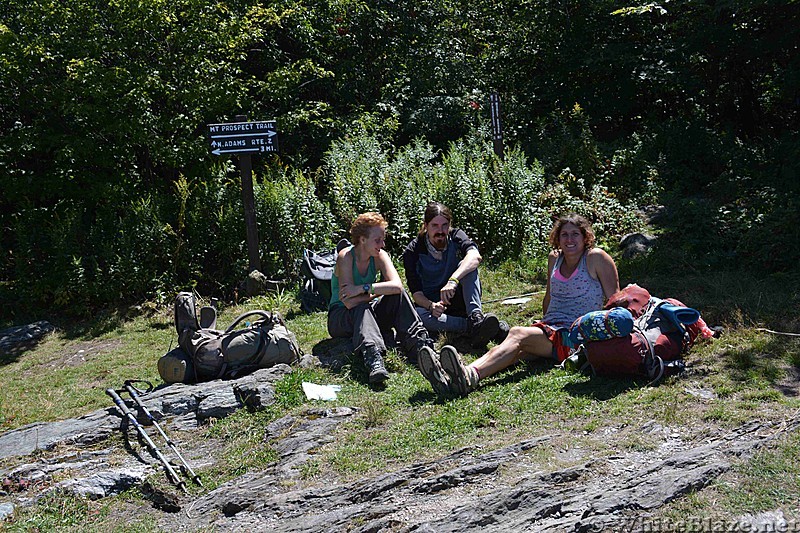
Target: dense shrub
290,218
506,206
78,258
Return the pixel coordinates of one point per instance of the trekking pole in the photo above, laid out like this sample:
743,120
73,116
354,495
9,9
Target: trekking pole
152,447
185,466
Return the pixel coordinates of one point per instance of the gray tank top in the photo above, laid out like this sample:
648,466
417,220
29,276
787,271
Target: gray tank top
572,297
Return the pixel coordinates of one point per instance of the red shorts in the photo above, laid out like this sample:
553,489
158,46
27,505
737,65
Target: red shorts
560,352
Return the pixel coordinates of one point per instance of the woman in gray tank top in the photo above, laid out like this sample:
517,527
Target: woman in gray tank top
580,278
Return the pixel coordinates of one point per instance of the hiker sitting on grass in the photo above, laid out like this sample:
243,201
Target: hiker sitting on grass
441,266
364,309
580,278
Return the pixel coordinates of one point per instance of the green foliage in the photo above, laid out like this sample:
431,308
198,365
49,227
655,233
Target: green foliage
291,218
506,206
108,182
564,141
363,176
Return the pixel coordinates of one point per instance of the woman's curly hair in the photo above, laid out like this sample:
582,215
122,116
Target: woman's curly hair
364,223
576,220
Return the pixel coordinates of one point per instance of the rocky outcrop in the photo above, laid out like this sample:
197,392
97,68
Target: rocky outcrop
190,404
634,244
450,494
17,338
507,489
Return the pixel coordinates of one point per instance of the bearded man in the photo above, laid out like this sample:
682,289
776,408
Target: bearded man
441,266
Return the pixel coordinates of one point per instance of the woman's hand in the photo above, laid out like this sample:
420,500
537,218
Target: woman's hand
350,291
436,309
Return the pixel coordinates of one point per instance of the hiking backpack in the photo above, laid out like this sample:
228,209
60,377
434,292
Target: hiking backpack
317,271
663,330
206,353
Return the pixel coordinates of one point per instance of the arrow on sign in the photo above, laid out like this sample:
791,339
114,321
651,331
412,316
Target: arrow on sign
235,151
269,133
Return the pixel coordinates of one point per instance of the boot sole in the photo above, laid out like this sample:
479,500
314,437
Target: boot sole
433,371
378,377
455,369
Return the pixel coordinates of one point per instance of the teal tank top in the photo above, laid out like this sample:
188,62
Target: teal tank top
358,279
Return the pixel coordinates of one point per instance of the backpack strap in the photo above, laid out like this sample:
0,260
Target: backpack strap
653,364
263,314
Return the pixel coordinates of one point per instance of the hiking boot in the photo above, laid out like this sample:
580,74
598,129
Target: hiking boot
374,362
502,332
430,367
463,379
482,328
414,345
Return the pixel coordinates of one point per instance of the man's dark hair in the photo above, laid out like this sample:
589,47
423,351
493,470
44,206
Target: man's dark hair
433,210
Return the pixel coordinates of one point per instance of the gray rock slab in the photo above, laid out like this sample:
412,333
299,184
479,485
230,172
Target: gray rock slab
634,244
10,338
6,510
201,401
105,483
437,495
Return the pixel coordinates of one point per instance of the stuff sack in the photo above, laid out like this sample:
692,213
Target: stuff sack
226,354
601,325
633,298
185,312
176,367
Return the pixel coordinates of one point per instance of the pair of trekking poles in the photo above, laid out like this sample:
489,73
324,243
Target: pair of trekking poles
131,417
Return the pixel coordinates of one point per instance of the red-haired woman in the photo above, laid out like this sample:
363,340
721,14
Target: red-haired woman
364,308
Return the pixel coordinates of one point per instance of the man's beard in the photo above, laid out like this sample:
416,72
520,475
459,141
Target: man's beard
439,240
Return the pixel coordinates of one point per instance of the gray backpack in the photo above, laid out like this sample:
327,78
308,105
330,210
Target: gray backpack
212,354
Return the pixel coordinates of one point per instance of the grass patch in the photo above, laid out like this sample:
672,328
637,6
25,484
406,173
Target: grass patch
767,481
61,512
746,374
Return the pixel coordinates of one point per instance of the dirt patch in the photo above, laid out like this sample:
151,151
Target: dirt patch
85,351
78,354
790,384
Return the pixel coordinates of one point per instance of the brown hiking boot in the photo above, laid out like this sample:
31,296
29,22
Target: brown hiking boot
430,367
463,379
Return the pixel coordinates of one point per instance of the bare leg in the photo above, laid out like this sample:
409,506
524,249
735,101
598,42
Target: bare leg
521,343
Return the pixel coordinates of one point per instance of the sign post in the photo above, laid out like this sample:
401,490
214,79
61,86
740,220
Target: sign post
497,128
244,139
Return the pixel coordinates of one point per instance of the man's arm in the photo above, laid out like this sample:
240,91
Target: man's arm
410,259
472,258
470,262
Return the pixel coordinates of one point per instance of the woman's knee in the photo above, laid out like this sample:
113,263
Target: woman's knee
518,334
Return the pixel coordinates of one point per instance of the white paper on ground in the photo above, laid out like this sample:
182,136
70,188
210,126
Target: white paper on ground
515,301
320,392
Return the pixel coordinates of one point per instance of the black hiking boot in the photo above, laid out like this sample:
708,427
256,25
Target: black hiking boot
414,345
374,363
502,332
482,328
